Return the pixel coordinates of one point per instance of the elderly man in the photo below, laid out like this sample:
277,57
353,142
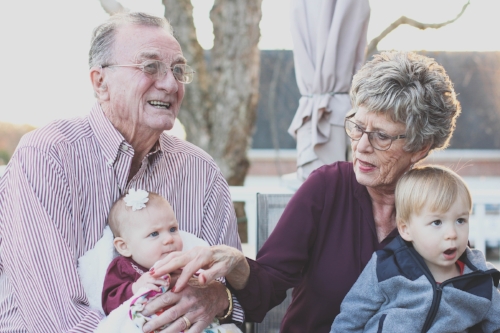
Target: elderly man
60,184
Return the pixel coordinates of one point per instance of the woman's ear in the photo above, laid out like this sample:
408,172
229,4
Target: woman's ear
121,247
404,231
420,154
99,84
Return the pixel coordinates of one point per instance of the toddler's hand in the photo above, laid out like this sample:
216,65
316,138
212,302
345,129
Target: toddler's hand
148,281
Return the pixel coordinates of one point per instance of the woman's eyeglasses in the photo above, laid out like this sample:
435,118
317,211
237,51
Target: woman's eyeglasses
378,140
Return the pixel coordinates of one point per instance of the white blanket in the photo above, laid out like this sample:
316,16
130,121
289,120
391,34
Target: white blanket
92,267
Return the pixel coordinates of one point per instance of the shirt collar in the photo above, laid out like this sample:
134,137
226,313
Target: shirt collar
110,139
153,155
107,135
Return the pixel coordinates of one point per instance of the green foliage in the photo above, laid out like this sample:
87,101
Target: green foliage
4,157
10,134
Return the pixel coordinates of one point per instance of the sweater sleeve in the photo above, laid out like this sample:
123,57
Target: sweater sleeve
117,284
284,256
361,303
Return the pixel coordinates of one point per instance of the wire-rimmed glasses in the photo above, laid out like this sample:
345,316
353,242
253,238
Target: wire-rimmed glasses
378,140
182,72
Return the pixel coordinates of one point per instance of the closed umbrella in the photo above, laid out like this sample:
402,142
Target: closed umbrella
329,41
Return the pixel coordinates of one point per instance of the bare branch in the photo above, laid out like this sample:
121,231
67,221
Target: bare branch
112,6
372,47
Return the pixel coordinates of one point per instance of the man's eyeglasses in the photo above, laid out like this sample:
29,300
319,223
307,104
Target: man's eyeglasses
378,140
182,72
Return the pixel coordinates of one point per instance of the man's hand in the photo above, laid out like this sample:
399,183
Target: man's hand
199,304
148,281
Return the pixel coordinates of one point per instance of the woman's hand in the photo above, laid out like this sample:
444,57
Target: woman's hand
216,261
148,281
199,305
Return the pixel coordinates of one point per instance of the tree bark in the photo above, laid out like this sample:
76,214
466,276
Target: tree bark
220,105
197,102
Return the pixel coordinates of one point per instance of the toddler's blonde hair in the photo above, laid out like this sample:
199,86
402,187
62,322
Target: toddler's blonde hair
432,186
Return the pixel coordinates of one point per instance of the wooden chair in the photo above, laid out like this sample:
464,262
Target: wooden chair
269,210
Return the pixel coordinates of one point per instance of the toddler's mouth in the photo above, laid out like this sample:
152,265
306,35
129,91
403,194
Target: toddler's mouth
450,250
450,253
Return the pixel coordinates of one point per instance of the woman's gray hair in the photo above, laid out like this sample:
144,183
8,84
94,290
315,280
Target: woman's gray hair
412,89
103,37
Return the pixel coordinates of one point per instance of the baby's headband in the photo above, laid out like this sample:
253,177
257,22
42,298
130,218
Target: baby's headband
136,199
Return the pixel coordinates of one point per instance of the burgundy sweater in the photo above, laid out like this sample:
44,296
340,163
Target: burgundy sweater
322,242
121,274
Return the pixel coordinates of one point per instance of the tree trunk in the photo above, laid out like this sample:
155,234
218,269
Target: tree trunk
196,104
220,104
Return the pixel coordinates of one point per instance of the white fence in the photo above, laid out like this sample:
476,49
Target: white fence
248,195
484,221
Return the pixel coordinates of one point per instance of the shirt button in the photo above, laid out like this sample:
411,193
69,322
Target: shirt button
124,147
110,162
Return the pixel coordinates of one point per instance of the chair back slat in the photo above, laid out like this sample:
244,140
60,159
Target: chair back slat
270,207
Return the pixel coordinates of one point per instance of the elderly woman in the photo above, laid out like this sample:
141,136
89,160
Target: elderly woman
404,107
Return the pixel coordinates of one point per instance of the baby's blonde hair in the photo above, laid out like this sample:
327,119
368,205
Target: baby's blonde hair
436,187
118,207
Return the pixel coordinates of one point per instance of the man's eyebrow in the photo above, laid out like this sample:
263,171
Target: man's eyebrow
149,55
179,60
156,56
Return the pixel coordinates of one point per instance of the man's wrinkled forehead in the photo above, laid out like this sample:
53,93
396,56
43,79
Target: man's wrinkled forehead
157,55
143,42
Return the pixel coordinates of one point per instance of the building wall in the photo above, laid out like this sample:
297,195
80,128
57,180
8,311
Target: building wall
466,162
476,78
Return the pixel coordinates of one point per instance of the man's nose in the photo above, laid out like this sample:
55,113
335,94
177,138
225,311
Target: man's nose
167,82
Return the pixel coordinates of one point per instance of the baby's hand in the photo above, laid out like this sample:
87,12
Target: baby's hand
148,281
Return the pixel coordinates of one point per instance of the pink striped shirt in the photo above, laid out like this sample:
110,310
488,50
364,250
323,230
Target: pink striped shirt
55,197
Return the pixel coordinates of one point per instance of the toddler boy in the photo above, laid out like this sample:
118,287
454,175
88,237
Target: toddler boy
427,279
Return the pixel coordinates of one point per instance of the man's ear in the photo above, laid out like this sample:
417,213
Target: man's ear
121,247
404,231
99,84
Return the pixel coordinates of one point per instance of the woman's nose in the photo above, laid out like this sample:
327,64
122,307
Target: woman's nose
364,143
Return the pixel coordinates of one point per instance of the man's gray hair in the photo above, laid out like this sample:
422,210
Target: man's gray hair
412,89
103,37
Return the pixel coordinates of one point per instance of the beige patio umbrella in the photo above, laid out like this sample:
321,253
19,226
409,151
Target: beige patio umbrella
329,41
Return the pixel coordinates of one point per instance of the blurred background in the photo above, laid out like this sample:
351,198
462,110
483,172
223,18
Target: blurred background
45,76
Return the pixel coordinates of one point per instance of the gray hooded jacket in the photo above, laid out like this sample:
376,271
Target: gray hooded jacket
397,293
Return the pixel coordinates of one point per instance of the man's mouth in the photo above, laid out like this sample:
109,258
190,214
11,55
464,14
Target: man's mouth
159,104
